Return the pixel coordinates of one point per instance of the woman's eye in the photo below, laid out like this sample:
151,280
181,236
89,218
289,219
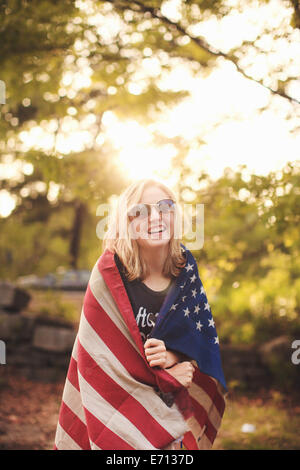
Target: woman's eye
164,207
135,211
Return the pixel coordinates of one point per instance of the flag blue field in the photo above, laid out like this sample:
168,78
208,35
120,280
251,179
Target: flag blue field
185,322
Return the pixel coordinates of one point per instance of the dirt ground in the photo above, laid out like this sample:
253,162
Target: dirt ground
28,413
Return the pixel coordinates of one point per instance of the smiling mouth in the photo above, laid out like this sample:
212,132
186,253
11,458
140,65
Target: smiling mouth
157,230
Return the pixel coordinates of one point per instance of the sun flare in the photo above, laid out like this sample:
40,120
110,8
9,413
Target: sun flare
137,153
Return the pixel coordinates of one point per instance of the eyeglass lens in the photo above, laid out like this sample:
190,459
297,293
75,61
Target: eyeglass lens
144,210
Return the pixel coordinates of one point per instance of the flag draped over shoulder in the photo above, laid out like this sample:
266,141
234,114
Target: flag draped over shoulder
110,400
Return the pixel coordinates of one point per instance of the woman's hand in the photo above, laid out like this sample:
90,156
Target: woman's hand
157,354
183,372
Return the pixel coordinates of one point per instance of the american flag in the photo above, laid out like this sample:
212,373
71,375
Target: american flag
185,322
109,400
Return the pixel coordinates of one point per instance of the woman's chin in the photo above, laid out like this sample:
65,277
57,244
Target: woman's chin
154,241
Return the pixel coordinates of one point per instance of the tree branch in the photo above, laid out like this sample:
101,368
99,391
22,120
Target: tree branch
156,13
296,6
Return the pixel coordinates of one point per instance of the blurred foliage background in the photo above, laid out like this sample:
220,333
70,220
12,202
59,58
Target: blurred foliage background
65,65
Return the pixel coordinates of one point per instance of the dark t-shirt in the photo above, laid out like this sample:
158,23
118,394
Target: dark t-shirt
146,303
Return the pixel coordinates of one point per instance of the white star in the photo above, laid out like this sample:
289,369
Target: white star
199,325
207,307
197,308
211,322
183,298
181,287
173,307
194,292
189,267
202,290
186,312
216,340
193,278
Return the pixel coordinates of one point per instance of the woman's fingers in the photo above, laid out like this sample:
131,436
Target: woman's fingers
155,350
153,347
183,372
158,359
156,355
189,366
159,356
156,362
152,342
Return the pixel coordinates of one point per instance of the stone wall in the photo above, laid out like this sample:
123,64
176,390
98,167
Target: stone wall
41,349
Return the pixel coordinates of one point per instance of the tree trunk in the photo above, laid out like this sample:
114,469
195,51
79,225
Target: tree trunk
76,231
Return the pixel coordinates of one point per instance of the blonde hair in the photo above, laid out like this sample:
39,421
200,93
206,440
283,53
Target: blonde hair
127,248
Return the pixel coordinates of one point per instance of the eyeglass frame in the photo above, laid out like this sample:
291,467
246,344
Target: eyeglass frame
148,208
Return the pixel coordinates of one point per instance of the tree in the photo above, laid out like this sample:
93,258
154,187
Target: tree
249,262
45,45
66,64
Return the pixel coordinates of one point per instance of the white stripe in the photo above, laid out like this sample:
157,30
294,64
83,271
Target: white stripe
204,443
72,398
111,418
74,350
204,400
94,446
169,418
63,441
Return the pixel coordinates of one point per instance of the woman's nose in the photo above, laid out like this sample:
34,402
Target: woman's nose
154,214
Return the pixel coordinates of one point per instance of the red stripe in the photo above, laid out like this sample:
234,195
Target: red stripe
73,426
121,400
183,401
210,387
189,441
211,434
72,373
103,437
203,419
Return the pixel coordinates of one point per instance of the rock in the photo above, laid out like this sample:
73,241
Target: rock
280,346
54,339
243,367
44,374
13,298
277,356
15,327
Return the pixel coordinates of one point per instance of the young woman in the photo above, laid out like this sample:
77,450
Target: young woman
151,262
125,389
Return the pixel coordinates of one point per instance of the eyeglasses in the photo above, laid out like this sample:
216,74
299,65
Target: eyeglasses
142,211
